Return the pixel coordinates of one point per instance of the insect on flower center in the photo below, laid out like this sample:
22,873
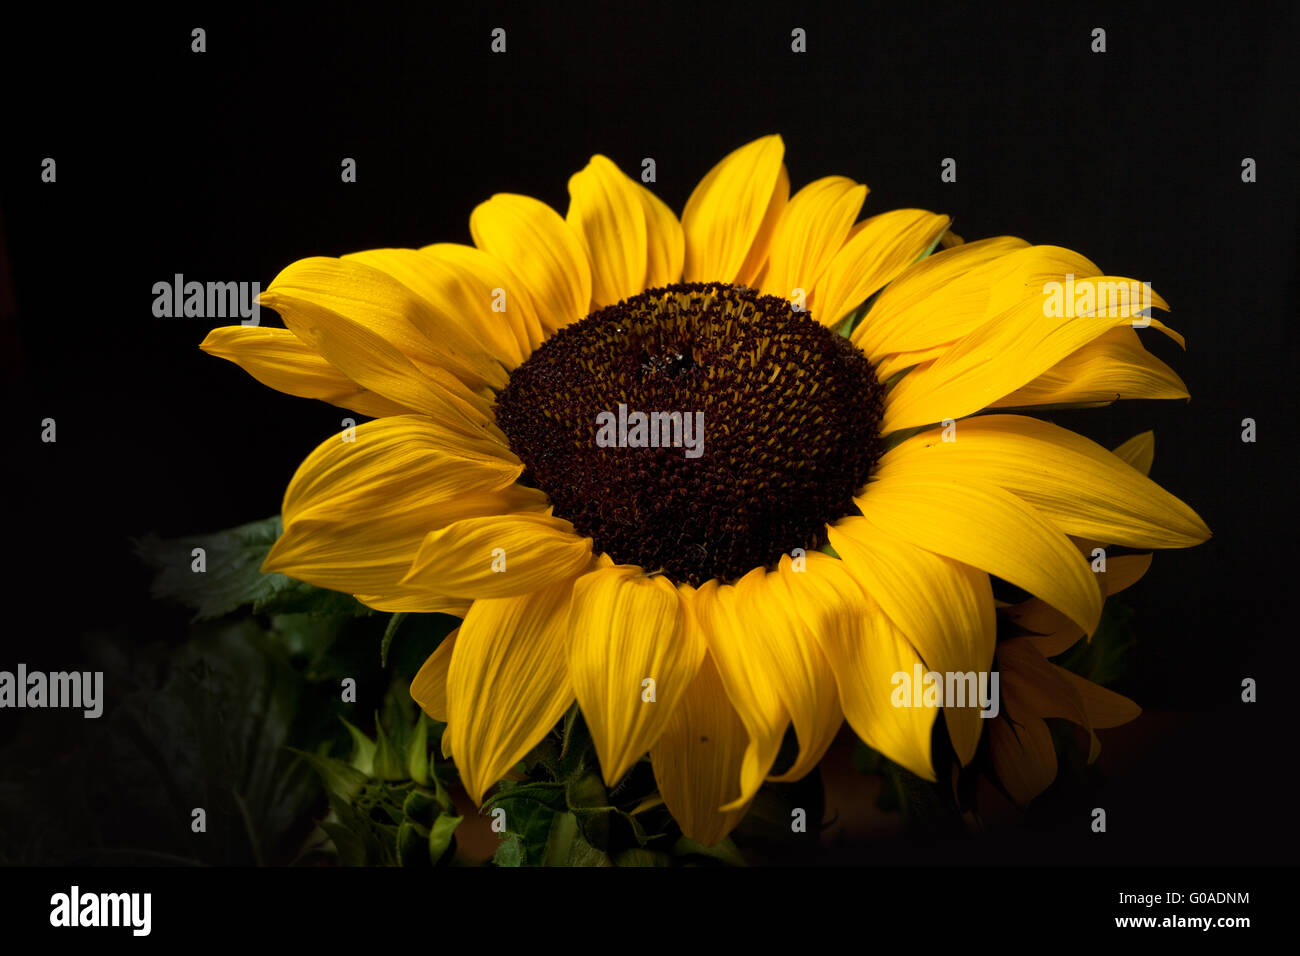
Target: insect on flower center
701,429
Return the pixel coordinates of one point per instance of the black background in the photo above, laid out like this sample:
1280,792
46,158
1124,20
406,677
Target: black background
225,166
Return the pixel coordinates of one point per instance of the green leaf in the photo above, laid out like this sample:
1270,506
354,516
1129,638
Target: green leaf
530,810
290,596
510,852
588,802
206,723
233,575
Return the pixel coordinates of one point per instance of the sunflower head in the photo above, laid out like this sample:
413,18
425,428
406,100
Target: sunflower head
782,412
771,566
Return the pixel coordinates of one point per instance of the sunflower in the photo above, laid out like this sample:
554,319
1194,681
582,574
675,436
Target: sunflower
858,483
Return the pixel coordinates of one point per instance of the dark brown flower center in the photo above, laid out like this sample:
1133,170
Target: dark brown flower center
701,430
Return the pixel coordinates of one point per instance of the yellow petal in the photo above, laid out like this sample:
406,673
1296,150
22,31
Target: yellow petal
403,599
1004,354
1033,685
508,294
697,759
531,240
756,262
1123,571
994,276
398,294
355,317
1053,632
866,651
728,212
608,215
454,310
1079,486
1139,451
934,301
1104,708
811,230
665,241
1112,367
406,449
884,246
508,682
890,365
782,642
628,629
983,526
1024,757
429,688
944,607
281,360
1023,273
1057,641
496,556
356,512
751,685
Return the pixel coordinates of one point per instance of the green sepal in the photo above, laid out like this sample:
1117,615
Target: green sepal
421,806
442,837
417,752
390,763
340,780
413,844
363,750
